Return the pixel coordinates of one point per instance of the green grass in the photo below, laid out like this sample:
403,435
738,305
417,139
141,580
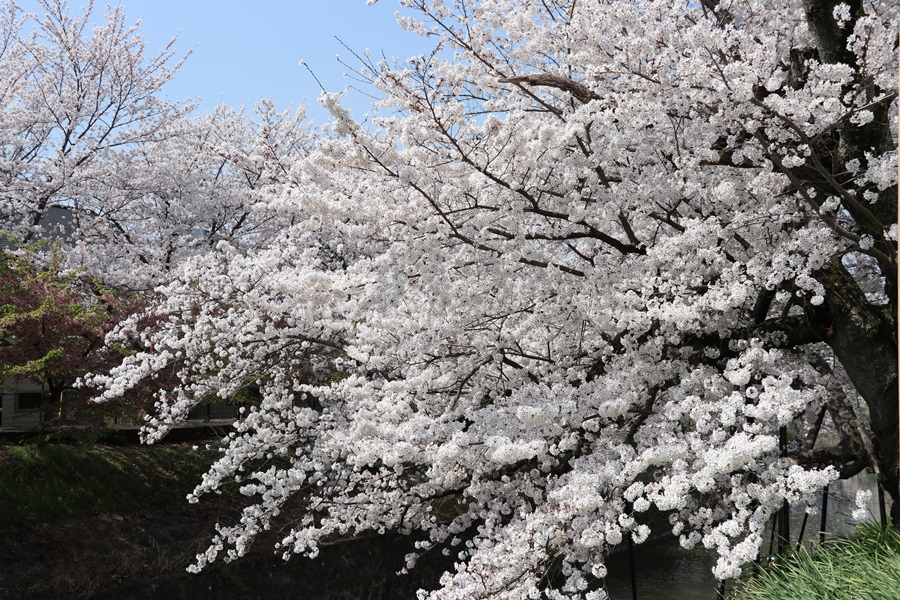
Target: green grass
865,567
44,482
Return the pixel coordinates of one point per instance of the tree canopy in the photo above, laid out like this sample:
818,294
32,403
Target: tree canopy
594,269
85,125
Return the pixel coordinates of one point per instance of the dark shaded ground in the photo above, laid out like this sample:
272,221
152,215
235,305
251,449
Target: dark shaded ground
142,553
143,556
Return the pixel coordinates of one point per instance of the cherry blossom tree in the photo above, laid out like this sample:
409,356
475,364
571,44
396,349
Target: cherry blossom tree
71,99
596,269
208,181
84,124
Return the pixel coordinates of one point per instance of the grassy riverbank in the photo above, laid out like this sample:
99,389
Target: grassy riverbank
80,518
864,567
97,522
40,483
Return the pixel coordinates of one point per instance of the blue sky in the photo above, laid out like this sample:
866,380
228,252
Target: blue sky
244,50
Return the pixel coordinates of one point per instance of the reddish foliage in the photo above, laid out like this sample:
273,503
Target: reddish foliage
53,324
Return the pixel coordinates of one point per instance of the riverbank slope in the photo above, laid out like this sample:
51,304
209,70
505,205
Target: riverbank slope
111,522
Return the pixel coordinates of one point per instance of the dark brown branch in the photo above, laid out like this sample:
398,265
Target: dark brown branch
559,82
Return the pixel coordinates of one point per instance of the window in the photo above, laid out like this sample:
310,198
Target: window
30,400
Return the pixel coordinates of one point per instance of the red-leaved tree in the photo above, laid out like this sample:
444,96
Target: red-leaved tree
53,324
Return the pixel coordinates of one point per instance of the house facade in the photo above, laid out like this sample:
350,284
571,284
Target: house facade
22,403
26,405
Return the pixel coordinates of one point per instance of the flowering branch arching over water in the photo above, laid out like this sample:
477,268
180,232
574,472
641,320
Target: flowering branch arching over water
581,270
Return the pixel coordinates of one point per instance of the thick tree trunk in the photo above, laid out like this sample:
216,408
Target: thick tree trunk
830,38
863,337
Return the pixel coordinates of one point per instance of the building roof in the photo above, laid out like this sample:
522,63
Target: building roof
57,224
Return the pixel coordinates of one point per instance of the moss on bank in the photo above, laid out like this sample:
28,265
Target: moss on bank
40,483
864,567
